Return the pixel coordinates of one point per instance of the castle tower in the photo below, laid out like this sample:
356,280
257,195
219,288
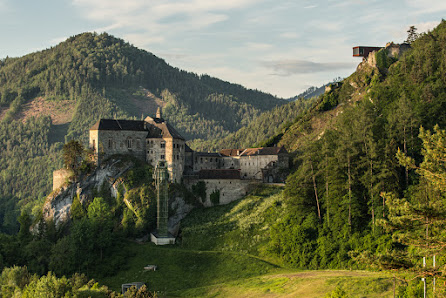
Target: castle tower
159,113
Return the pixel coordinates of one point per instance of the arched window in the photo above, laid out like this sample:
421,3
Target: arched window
129,143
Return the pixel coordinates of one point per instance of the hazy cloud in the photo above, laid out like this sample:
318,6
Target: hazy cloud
255,46
427,6
139,13
426,26
156,21
290,67
58,40
290,35
3,6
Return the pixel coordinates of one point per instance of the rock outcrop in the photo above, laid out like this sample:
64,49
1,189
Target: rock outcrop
58,203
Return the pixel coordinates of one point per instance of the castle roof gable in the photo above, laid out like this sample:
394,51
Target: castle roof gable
115,124
161,129
156,128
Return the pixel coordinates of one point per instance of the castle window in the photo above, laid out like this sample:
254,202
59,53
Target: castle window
138,143
94,145
211,159
178,157
162,157
129,144
110,143
163,145
201,159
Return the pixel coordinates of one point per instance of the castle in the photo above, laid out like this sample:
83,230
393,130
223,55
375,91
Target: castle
230,171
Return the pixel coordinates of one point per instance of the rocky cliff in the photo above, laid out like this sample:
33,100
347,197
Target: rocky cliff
116,177
108,174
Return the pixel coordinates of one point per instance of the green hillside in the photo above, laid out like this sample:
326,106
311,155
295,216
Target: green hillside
55,95
258,132
225,251
348,190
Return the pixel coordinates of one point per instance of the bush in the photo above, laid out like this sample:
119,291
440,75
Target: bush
215,197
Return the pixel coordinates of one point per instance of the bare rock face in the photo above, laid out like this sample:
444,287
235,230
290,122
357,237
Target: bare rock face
181,209
58,204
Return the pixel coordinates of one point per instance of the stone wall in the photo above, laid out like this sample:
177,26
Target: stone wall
204,161
168,149
251,166
109,142
178,159
230,189
156,151
60,177
229,162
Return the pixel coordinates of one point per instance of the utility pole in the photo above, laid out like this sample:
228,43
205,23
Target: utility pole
424,278
433,290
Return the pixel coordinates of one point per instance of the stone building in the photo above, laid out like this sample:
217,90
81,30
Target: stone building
230,171
226,182
206,161
152,140
253,162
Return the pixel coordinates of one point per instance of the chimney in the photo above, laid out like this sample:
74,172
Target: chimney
158,113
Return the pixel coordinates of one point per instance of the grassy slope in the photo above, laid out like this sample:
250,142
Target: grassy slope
181,269
301,284
224,253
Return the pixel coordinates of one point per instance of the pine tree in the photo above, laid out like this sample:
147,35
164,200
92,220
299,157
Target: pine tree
419,220
412,34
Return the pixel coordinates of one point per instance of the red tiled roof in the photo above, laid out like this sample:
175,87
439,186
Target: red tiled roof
263,151
231,152
253,151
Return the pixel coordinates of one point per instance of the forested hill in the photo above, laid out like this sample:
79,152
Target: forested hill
347,178
54,95
90,69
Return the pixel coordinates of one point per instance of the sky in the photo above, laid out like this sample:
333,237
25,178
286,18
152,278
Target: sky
277,46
